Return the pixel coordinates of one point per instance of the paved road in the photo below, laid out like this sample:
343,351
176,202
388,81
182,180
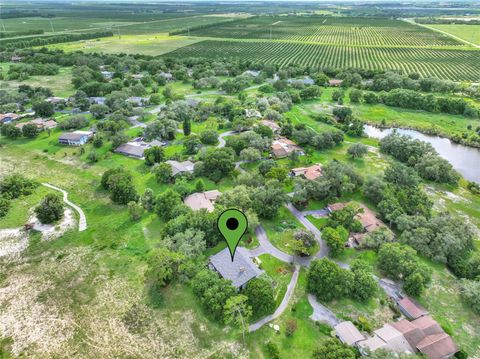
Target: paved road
283,305
323,252
322,313
221,141
135,123
317,212
82,223
269,247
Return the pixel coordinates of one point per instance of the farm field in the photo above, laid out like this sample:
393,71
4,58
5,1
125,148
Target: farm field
329,30
469,33
151,44
443,63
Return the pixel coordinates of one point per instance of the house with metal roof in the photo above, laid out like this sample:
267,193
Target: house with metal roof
75,138
438,346
240,271
348,333
181,167
394,339
136,147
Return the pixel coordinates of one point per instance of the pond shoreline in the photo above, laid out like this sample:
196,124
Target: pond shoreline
431,132
464,159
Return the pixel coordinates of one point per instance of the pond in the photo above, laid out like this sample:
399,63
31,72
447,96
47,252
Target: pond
466,160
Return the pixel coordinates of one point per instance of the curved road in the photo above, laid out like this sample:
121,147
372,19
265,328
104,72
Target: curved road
82,223
221,141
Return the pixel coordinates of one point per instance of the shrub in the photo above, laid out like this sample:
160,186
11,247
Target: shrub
50,209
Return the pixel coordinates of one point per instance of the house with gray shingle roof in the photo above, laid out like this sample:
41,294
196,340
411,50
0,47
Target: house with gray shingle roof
239,271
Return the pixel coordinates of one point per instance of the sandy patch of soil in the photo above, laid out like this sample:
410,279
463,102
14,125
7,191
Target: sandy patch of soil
53,231
12,243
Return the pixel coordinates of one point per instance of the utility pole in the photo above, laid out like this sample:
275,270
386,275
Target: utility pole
51,25
3,25
188,30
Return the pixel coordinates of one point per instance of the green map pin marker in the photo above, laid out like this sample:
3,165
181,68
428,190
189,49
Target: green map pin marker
232,224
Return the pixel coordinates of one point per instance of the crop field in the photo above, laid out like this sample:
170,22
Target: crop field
469,33
330,30
143,25
443,63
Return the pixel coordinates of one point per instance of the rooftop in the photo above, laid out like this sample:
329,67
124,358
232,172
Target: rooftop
411,308
373,343
180,167
438,346
75,135
348,333
202,200
311,173
283,147
240,270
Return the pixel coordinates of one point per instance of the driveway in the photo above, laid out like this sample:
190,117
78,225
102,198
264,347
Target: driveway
221,141
283,305
135,123
323,252
269,247
317,212
322,313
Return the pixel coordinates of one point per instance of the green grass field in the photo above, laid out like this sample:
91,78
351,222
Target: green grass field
470,33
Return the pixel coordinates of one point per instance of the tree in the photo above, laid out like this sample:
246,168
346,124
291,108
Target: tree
209,137
303,242
237,312
163,265
135,209
15,185
374,188
163,173
260,296
213,292
50,209
30,130
99,111
346,217
199,185
470,292
357,150
218,163
97,141
191,243
265,166
272,349
237,197
11,131
375,239
119,183
154,154
267,200
328,281
147,200
4,206
250,154
290,327
166,203
92,157
334,349
187,126
356,95
43,108
336,239
414,284
192,144
364,284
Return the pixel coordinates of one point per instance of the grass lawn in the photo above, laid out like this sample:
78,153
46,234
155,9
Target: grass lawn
150,44
305,339
60,84
318,222
280,272
469,33
280,229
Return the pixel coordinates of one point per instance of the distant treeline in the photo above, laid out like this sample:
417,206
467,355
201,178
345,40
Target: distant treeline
4,35
55,39
204,26
14,14
433,20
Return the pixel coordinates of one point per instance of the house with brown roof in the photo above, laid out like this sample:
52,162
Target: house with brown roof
310,173
410,308
438,346
412,333
136,147
282,147
275,127
335,82
394,339
367,218
202,200
41,123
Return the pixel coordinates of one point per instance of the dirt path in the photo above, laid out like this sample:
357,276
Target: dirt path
82,223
